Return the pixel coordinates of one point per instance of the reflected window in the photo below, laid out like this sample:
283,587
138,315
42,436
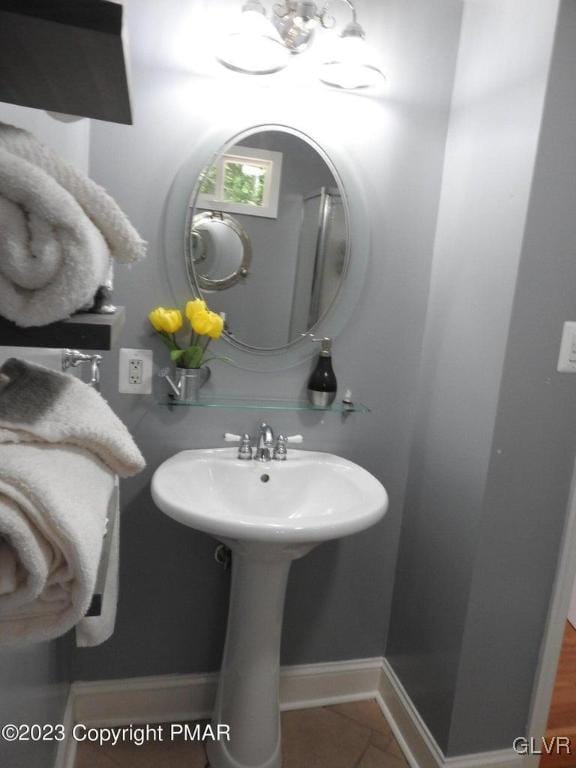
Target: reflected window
243,180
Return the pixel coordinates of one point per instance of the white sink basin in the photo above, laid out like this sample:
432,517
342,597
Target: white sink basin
269,513
308,498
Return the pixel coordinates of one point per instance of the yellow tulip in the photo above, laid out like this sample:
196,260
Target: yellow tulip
207,324
200,322
166,320
216,327
194,308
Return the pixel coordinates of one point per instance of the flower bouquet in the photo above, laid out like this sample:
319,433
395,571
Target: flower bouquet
189,358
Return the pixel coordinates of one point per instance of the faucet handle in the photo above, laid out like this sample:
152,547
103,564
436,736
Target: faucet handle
245,447
281,447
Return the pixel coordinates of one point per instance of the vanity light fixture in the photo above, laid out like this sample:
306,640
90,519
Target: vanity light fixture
258,46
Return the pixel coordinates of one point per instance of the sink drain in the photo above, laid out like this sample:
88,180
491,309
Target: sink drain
264,478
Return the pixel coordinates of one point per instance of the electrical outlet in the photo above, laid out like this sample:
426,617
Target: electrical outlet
135,371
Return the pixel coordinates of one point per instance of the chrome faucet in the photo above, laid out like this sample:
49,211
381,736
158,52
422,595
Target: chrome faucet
264,442
264,447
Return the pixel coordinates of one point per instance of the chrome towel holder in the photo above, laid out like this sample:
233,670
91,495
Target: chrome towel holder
73,358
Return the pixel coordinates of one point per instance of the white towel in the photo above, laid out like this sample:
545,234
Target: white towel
57,232
53,504
60,448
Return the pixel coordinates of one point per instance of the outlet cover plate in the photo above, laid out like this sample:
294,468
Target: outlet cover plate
135,371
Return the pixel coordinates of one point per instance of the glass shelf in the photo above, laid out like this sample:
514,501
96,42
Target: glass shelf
263,404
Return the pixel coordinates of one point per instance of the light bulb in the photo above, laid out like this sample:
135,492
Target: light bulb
297,25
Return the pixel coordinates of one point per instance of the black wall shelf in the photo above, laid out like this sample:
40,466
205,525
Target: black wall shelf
81,331
64,56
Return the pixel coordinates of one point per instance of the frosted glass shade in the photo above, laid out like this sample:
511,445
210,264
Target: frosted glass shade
351,65
254,47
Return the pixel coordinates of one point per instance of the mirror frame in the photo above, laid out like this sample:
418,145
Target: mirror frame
179,215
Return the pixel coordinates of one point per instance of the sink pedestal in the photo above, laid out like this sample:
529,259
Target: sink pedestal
248,691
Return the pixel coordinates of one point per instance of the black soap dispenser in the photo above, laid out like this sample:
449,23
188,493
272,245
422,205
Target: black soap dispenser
322,384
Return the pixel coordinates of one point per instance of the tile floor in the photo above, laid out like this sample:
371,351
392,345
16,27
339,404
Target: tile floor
354,735
562,717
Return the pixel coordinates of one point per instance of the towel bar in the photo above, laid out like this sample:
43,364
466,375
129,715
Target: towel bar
95,608
72,358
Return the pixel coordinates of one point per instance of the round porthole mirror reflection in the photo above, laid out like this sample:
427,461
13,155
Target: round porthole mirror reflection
220,251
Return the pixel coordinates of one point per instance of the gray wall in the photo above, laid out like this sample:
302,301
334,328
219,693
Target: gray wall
534,443
34,684
173,597
493,448
34,680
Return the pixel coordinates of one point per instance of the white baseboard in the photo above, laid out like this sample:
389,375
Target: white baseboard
415,739
170,698
173,698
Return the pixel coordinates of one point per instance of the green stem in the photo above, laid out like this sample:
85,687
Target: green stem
170,342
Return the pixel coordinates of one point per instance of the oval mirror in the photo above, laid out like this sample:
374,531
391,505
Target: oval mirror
267,238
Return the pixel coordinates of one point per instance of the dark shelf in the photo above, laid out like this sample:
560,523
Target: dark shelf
82,331
64,56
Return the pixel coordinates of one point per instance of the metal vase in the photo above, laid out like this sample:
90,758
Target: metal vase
190,381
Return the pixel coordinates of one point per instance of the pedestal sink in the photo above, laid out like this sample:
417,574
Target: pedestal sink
268,513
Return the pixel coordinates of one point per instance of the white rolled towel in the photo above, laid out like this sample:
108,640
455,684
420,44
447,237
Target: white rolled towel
52,257
58,230
124,242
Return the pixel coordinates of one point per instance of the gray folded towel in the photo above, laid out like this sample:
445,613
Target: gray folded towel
61,447
43,406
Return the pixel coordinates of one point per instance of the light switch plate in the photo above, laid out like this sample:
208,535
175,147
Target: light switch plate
135,371
567,357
